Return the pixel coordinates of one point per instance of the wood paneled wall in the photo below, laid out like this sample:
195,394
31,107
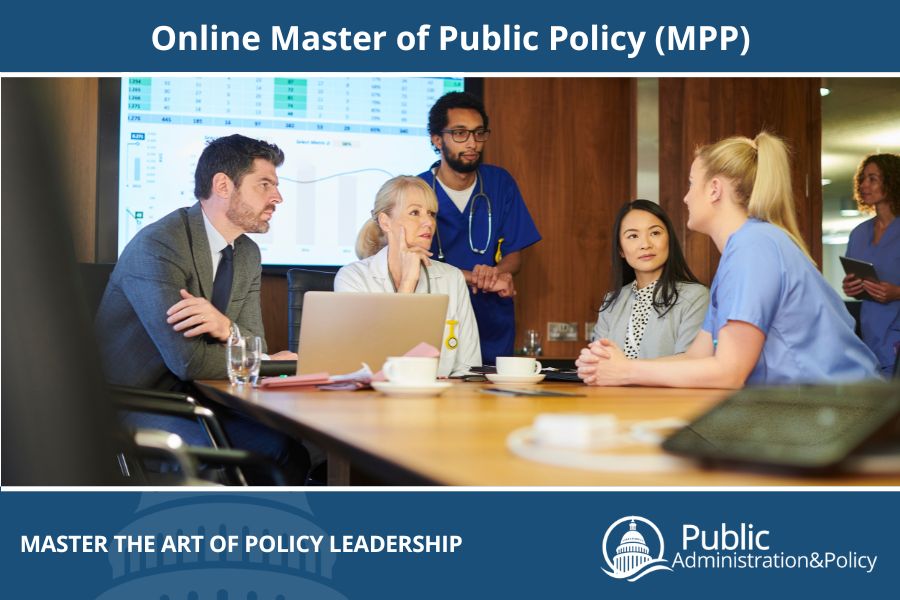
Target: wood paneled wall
570,144
699,111
72,103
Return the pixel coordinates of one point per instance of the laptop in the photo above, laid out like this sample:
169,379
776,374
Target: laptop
341,330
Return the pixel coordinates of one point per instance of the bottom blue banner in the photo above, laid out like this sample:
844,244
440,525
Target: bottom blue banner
446,544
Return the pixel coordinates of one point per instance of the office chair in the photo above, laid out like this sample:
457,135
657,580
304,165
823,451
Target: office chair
301,281
175,404
162,446
854,307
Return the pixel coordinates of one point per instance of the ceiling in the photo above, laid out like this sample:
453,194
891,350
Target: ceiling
860,116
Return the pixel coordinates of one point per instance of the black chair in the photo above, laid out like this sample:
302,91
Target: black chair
853,307
154,445
299,282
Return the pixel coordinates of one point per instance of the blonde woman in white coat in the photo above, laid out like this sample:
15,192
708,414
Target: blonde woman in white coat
394,250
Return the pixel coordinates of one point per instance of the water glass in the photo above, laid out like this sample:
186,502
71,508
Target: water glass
244,359
531,344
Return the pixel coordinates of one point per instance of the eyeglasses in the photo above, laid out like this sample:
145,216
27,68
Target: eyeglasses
461,135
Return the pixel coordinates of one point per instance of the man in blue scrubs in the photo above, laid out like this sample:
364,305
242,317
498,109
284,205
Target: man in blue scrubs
482,222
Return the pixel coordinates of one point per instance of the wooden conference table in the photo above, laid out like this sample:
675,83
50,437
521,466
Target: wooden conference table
460,437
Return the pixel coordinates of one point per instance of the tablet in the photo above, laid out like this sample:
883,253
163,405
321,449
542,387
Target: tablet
797,427
863,270
860,268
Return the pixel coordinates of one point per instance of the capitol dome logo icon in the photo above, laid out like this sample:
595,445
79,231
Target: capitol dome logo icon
633,556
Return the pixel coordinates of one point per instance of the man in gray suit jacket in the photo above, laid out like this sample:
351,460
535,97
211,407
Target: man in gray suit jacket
157,325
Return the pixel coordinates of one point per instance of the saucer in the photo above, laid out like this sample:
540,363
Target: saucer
419,389
497,378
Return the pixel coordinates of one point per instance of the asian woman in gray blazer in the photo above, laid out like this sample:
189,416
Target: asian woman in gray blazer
656,305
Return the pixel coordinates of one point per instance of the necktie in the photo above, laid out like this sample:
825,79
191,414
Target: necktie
222,283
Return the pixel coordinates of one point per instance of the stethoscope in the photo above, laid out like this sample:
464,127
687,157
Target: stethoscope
472,202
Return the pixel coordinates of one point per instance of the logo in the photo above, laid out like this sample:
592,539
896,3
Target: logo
633,557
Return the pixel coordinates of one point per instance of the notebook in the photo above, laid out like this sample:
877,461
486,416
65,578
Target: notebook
341,330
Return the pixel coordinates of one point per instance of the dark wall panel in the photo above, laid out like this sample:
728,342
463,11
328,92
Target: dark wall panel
570,144
698,111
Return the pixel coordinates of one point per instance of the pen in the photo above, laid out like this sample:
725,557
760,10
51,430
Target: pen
510,392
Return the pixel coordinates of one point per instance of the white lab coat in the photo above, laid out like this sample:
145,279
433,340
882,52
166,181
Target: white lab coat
371,275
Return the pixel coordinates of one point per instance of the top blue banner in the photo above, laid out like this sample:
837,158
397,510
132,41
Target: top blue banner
650,37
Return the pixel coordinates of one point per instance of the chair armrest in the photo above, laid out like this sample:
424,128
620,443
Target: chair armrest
171,403
152,405
151,443
132,392
245,460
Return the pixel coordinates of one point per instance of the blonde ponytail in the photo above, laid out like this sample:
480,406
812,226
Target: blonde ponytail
772,198
760,172
370,239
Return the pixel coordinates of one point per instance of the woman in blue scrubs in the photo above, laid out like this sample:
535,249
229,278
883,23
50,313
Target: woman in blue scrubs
877,189
772,318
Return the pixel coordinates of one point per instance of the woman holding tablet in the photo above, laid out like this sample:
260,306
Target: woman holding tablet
877,241
394,248
656,305
772,318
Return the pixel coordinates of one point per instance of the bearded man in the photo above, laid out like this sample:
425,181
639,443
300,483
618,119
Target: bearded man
188,281
482,221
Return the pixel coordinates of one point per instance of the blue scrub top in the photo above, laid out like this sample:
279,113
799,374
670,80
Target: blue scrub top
511,222
764,279
879,322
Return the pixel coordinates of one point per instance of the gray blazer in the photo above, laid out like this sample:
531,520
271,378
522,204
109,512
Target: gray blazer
670,334
137,346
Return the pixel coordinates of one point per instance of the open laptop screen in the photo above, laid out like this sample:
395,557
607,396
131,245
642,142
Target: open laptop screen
341,330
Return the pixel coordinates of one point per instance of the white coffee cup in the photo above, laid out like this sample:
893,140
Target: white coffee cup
411,370
518,366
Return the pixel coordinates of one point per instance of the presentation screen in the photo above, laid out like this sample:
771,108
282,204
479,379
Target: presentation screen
342,139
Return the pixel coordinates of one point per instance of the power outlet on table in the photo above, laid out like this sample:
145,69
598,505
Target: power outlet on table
558,331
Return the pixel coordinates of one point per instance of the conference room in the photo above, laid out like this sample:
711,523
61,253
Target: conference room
90,162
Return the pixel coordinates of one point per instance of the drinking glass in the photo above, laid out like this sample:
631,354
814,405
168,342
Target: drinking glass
244,359
531,343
